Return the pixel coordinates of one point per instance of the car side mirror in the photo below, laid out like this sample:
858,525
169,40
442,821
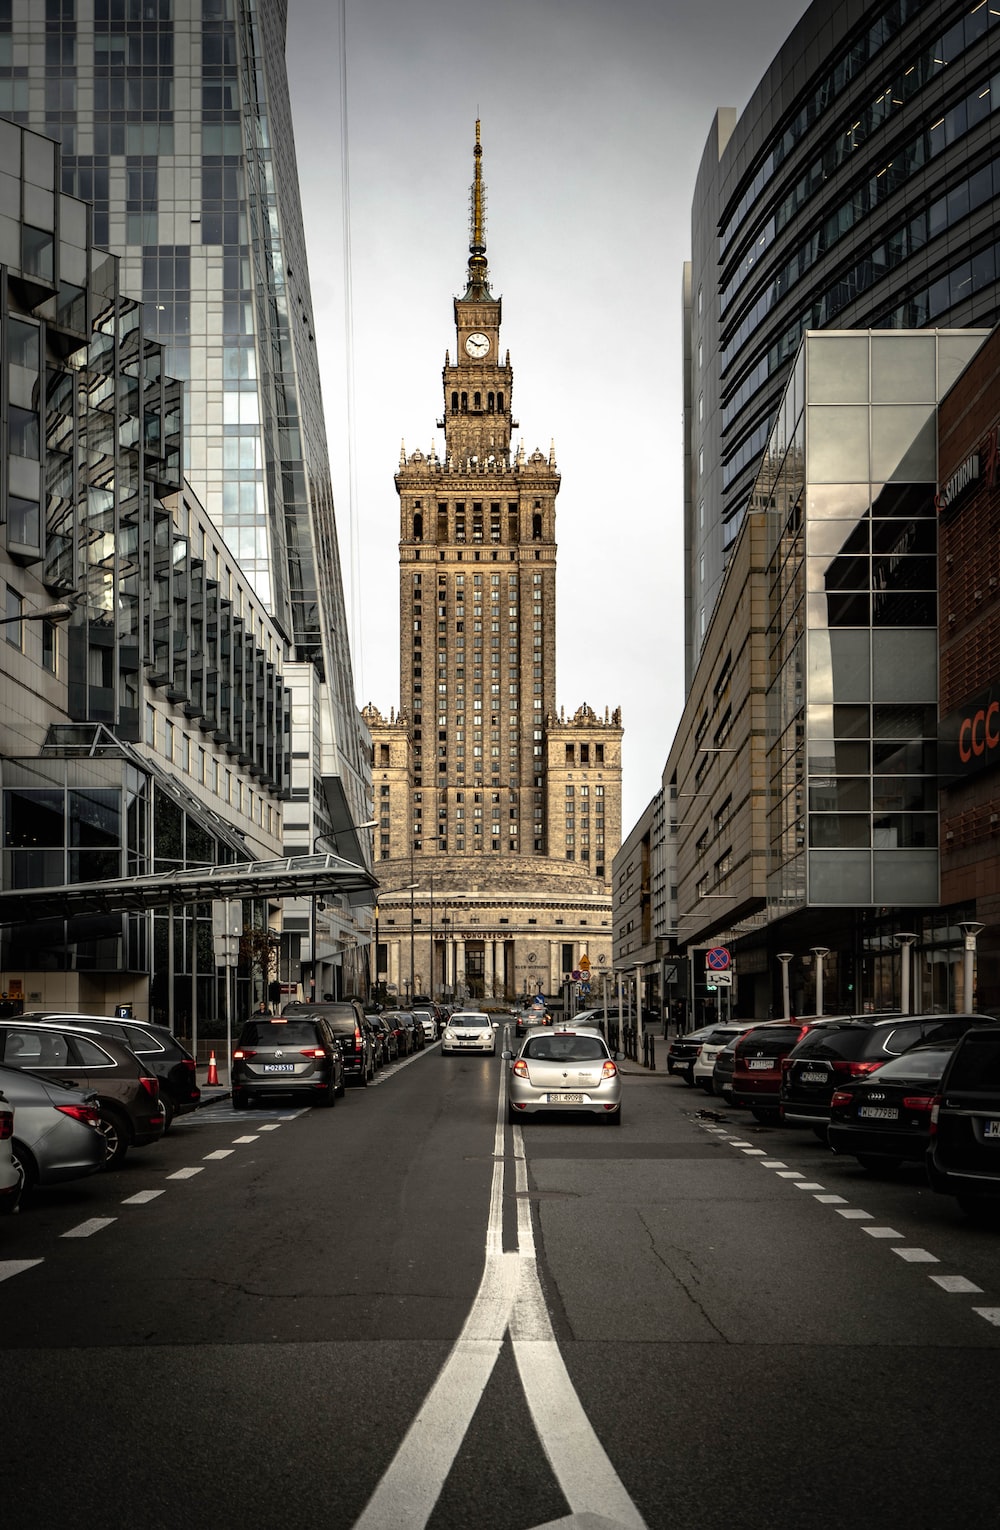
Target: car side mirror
506,1054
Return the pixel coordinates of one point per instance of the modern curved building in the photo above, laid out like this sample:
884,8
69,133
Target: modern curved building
858,190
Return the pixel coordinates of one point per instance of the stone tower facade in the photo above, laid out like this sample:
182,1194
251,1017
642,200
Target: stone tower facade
467,776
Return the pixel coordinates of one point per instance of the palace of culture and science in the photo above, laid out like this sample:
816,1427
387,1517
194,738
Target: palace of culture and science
498,815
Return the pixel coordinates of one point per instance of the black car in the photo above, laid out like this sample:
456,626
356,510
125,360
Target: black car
128,1092
399,1037
836,1053
154,1045
963,1158
883,1120
683,1050
279,1055
352,1029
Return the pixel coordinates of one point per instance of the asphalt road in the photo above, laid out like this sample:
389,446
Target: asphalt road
404,1313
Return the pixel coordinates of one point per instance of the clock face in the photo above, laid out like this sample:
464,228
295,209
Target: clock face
477,344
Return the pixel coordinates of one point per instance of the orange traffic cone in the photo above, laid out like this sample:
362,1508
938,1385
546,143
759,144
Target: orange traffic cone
213,1071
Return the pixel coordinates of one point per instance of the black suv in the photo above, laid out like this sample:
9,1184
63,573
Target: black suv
350,1025
128,1092
963,1158
279,1054
850,1049
154,1045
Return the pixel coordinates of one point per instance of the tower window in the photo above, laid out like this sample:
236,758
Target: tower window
536,528
477,401
465,402
418,526
454,403
490,401
500,403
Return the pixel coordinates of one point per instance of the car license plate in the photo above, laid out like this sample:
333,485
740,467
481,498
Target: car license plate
813,1077
878,1112
991,1129
565,1099
760,1062
279,1067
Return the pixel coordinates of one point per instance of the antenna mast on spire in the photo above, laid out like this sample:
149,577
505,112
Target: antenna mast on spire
478,284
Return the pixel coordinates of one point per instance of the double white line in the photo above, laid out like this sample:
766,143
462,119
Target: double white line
509,1299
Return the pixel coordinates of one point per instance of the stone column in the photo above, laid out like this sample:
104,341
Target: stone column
488,968
460,969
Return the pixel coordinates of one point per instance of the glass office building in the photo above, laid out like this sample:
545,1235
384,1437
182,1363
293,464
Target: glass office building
174,122
860,189
849,486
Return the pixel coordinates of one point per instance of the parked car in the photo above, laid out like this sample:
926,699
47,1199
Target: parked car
350,1025
281,1054
156,1046
57,1129
428,1020
757,1058
682,1051
564,1070
392,1018
128,1092
414,1032
963,1157
722,1073
837,1051
10,1169
883,1119
381,1036
469,1031
703,1066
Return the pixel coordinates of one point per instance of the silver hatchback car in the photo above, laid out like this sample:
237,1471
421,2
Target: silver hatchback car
564,1070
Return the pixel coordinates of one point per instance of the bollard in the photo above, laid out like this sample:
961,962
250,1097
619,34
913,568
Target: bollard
652,1054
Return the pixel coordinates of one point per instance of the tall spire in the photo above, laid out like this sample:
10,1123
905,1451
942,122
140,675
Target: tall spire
478,284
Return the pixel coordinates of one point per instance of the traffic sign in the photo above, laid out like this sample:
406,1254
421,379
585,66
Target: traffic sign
723,979
717,959
585,963
576,974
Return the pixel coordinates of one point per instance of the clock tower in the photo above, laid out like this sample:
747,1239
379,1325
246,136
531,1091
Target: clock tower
501,812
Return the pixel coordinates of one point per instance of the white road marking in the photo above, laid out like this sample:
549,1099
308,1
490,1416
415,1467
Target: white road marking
186,1173
734,1142
881,1232
755,1152
143,1198
807,1184
270,1126
955,1283
991,1314
244,1139
87,1229
917,1256
9,1267
773,1163
831,1200
789,1174
509,1297
854,1215
217,1155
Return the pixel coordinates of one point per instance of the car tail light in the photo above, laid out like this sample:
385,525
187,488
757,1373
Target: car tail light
86,1113
357,1038
151,1086
935,1111
786,1063
609,1069
841,1097
313,1052
855,1069
918,1101
6,1125
520,1068
188,1063
242,1053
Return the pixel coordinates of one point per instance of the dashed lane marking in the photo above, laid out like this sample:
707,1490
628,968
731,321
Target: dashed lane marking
89,1228
143,1198
881,1232
852,1214
807,1184
185,1173
991,1314
955,1283
917,1255
218,1155
831,1200
9,1267
240,1140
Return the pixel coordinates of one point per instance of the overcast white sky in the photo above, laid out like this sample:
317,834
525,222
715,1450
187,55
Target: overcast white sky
594,117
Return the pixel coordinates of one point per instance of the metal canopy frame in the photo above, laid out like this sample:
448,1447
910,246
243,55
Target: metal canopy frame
293,876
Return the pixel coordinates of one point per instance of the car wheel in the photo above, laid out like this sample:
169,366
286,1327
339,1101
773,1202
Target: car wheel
114,1129
168,1111
614,1117
241,1100
25,1164
765,1117
873,1163
341,1088
363,1077
670,1067
822,1134
329,1096
706,1084
512,1114
688,1078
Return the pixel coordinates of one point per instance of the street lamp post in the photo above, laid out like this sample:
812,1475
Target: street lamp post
970,928
61,611
905,939
784,958
820,953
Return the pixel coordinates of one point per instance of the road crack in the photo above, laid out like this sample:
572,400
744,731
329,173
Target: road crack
685,1284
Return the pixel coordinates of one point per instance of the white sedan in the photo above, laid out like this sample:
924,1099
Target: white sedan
720,1036
469,1031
